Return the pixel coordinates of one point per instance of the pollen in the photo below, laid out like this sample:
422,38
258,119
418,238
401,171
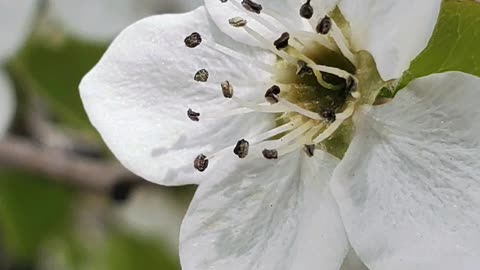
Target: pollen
324,25
252,6
306,10
201,75
241,149
193,40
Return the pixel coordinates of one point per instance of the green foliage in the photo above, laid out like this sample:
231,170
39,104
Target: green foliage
455,44
55,71
32,210
127,252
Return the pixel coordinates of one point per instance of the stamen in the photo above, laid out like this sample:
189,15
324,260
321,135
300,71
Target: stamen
194,116
241,149
225,113
295,133
227,89
201,76
320,39
306,10
272,93
341,42
239,56
200,163
351,87
261,20
261,137
283,145
313,131
193,40
299,143
274,132
276,108
309,149
303,69
279,24
268,45
340,118
223,1
291,147
324,25
252,6
295,108
270,153
316,68
329,115
266,23
237,22
332,70
356,95
282,41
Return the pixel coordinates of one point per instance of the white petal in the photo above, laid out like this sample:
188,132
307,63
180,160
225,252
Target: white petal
268,215
139,94
393,31
15,25
409,186
102,20
285,18
7,103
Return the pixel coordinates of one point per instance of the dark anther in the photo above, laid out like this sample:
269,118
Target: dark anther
350,85
252,6
306,10
270,153
329,115
227,89
309,149
201,75
241,149
200,163
193,115
237,22
303,69
193,40
324,26
223,1
282,41
272,94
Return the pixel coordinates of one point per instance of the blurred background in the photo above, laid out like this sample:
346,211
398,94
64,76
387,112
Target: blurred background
65,203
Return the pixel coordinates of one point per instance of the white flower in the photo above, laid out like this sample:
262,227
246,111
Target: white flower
15,22
172,91
102,20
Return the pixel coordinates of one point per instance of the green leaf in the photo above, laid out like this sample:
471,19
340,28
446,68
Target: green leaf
54,71
32,210
455,44
126,252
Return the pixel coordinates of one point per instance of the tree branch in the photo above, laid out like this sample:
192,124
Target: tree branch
64,167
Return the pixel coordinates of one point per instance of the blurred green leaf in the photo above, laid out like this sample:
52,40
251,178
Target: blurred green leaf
32,210
55,71
455,44
127,252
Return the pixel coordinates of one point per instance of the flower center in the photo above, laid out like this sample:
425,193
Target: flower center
316,84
